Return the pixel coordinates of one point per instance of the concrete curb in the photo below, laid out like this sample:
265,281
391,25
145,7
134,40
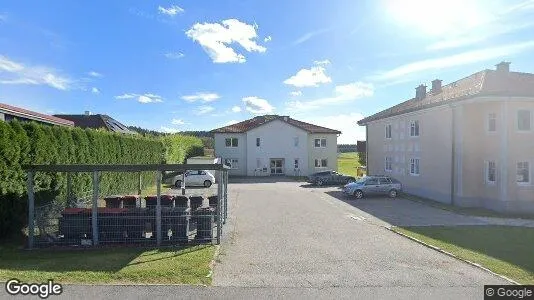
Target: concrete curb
452,255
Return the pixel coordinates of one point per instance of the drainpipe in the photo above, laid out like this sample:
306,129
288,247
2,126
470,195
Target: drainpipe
453,154
367,149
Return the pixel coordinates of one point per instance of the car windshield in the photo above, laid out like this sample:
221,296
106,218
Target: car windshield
361,180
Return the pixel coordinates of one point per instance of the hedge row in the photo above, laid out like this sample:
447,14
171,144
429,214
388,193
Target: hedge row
31,143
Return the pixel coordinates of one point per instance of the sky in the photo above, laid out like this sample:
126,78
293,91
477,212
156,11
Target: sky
198,65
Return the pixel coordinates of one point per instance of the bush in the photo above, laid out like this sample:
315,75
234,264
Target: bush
178,148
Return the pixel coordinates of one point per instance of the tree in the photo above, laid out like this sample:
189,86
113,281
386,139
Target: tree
362,158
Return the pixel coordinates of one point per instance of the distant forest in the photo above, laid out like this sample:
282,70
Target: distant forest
205,136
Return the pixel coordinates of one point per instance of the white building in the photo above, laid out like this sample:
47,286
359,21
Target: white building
276,145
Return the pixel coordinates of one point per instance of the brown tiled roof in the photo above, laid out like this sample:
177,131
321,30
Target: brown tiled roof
97,121
249,124
28,114
483,83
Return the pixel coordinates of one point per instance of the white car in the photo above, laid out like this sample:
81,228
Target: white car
195,178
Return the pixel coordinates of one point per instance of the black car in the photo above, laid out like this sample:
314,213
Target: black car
329,177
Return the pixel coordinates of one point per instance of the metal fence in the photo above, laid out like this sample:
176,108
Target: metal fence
182,216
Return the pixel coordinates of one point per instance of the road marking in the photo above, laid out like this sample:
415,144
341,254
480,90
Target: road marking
358,218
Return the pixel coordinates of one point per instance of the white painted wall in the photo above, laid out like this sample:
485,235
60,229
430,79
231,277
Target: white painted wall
329,152
277,140
239,152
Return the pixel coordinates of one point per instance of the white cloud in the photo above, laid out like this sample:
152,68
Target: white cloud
236,109
144,98
465,58
177,122
204,109
257,105
202,96
94,74
172,10
174,55
3,18
12,72
342,94
324,62
296,93
310,77
267,39
95,90
346,123
216,39
169,129
308,36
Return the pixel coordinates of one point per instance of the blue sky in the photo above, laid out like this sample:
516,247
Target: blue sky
198,65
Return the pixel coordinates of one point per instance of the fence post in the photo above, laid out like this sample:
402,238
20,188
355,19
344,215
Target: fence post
31,210
94,219
140,184
225,196
219,215
158,208
69,189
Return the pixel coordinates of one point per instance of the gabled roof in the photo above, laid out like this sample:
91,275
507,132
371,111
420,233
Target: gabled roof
249,124
28,114
483,83
96,122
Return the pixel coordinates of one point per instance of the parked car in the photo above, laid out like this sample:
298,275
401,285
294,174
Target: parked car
195,178
373,185
329,177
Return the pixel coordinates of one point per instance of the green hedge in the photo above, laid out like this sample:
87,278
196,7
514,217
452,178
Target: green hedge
32,143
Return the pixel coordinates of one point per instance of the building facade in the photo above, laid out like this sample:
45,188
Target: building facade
469,143
276,145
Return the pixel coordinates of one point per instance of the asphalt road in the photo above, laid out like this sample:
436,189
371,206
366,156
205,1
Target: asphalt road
285,240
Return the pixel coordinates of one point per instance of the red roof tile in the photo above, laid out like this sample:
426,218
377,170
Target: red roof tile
249,124
483,83
24,113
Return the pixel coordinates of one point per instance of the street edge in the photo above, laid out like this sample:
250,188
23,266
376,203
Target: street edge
451,255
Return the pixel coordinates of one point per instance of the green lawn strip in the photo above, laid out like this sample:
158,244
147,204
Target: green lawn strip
471,211
347,163
504,250
119,265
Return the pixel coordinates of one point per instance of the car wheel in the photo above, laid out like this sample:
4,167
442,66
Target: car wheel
178,184
358,194
320,182
393,193
207,183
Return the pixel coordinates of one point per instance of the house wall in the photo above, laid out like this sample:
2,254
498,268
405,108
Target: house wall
239,152
329,152
433,147
2,117
506,147
277,141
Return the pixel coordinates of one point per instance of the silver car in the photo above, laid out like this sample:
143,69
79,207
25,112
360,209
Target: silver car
373,185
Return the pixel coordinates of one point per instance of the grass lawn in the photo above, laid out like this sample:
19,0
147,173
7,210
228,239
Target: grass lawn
347,163
504,250
119,265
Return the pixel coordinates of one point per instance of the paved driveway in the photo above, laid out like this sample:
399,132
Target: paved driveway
284,235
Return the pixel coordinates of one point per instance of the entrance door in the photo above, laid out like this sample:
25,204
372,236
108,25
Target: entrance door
277,166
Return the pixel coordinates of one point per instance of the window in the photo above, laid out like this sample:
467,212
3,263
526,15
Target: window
388,131
258,163
490,172
371,181
258,142
296,163
385,181
321,163
414,128
523,172
388,164
231,142
296,141
320,143
414,166
523,120
233,163
492,122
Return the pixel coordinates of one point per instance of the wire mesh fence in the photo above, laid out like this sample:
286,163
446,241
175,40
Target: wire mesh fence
85,220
